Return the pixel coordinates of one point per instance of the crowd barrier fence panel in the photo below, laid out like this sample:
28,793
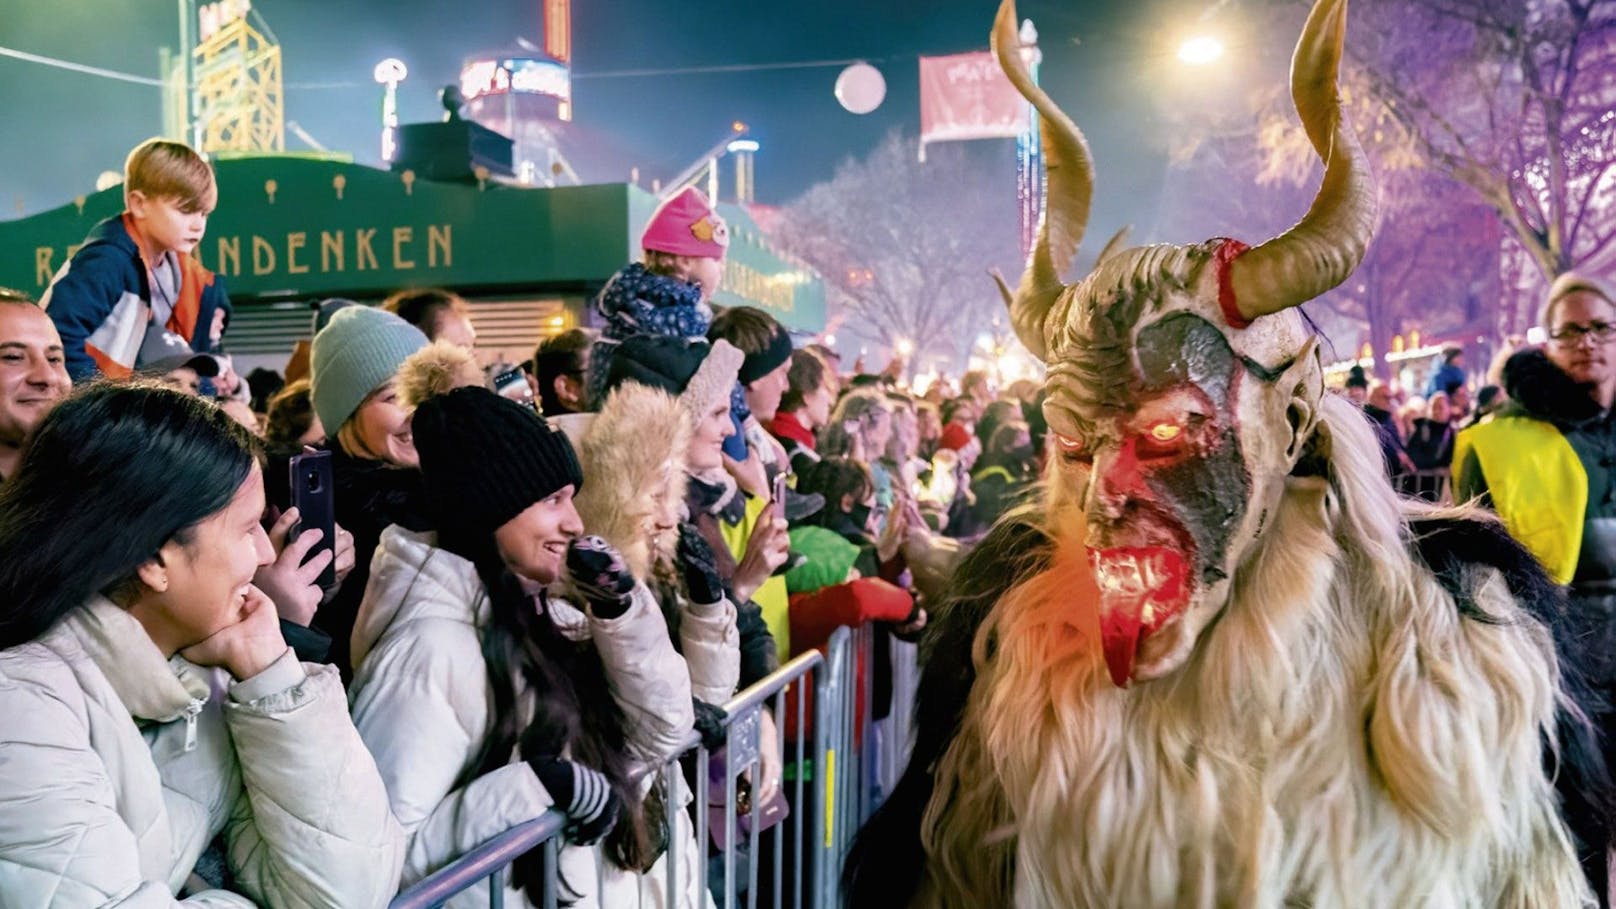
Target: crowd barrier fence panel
836,796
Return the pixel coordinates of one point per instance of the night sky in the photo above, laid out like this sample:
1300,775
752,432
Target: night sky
64,128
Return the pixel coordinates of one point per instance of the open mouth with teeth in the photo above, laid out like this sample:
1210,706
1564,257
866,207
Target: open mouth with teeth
1141,589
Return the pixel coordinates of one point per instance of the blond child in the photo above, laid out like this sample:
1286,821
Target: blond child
135,276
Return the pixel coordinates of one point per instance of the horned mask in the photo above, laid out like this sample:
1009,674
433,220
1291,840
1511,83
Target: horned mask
1184,386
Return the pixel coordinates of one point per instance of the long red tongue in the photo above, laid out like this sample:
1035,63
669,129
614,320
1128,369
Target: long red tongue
1119,630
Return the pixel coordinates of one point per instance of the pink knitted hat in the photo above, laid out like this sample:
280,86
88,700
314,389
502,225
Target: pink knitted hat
686,225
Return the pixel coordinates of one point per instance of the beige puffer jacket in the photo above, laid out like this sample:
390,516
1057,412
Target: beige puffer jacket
422,703
118,768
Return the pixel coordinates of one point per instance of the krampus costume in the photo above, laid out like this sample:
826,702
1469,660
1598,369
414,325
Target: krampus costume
1221,663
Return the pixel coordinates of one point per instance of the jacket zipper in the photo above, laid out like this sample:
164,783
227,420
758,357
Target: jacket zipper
191,710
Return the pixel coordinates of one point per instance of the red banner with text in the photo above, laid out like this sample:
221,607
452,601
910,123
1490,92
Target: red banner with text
967,96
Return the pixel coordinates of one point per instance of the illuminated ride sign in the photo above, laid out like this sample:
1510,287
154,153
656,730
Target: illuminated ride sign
515,75
215,16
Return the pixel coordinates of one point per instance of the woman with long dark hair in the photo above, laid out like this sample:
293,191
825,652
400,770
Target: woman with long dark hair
150,702
486,700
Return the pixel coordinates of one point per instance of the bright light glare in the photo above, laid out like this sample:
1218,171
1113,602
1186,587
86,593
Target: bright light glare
905,347
1200,50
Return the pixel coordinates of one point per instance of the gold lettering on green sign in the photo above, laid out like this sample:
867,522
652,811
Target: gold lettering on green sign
263,256
362,248
332,246
439,238
42,264
294,243
229,256
777,292
401,236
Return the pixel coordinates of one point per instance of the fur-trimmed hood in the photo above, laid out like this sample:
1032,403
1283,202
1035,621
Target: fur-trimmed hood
633,457
1540,389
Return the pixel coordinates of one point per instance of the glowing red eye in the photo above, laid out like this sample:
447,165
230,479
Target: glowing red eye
1165,432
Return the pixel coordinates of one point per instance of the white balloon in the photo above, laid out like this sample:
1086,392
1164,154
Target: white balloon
860,88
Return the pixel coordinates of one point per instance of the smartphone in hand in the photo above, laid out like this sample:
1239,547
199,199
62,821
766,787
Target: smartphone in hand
312,496
512,383
778,499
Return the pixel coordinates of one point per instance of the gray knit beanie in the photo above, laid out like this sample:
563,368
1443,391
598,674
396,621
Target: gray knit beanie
358,351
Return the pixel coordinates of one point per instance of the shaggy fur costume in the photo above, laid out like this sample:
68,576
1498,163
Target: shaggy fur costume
1357,728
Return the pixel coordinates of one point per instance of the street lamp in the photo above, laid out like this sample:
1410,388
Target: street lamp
390,73
1200,50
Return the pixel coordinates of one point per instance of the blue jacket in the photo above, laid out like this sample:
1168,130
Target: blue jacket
1445,378
101,303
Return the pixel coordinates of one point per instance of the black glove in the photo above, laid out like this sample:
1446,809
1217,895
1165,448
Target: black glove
600,577
583,795
699,566
710,724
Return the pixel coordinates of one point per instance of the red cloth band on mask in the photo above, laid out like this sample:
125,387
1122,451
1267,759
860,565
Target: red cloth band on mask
1227,252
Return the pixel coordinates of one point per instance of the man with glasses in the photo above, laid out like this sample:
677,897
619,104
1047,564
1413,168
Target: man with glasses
559,365
1547,465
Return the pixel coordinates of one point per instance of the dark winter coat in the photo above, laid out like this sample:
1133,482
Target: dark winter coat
1430,445
636,301
369,497
1391,445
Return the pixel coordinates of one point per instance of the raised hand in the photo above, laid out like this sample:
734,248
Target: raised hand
247,646
289,581
600,576
699,567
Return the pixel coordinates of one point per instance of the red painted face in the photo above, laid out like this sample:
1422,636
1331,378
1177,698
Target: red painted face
1164,488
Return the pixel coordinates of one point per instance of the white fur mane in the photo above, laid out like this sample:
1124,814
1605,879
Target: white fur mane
1340,737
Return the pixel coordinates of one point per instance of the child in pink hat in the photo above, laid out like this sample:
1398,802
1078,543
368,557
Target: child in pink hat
667,292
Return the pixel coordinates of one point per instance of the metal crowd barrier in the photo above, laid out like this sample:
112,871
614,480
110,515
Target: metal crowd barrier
830,798
1431,485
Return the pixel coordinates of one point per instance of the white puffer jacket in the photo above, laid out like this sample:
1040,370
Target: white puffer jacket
422,703
118,767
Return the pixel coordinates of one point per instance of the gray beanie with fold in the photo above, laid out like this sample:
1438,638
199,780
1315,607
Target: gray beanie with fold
357,352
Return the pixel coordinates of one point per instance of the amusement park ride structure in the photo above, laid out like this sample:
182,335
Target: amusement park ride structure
226,94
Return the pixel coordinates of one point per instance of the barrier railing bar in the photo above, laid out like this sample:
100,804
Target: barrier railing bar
489,859
552,870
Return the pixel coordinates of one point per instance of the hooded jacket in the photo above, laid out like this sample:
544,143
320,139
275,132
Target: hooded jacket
100,300
118,768
421,701
634,454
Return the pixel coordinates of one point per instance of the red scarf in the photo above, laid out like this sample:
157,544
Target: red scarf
786,427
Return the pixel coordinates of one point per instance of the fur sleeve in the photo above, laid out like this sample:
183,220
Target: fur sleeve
886,862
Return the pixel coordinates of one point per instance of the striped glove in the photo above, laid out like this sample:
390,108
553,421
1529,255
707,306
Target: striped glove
584,795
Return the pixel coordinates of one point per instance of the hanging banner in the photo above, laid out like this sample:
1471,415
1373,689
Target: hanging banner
967,96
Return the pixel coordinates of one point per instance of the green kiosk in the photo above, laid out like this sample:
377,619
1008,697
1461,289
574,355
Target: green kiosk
293,230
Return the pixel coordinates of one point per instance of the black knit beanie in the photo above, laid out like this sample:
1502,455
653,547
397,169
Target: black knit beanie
768,359
485,459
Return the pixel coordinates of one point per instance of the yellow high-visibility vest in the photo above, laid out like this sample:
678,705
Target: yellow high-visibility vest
772,597
1538,486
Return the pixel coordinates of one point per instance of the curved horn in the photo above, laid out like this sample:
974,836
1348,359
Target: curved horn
1329,242
1113,246
1070,171
1004,288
